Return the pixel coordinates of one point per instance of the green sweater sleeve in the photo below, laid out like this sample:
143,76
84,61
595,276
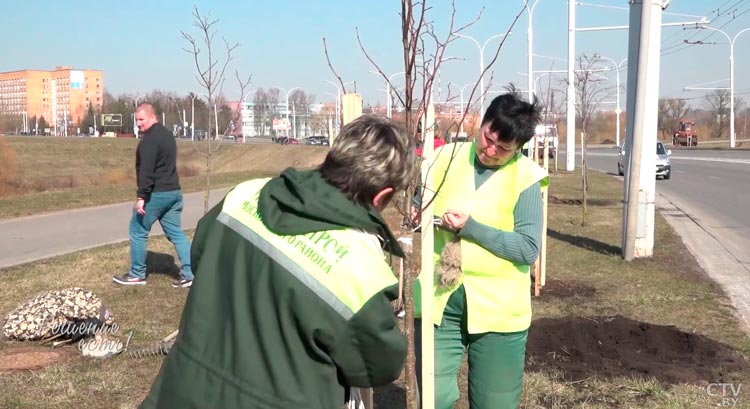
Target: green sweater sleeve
520,245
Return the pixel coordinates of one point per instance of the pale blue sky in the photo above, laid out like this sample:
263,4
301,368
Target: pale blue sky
139,46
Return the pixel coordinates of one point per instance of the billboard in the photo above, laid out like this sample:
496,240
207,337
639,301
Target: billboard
76,79
111,119
281,124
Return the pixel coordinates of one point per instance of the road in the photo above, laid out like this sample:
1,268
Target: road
30,238
708,203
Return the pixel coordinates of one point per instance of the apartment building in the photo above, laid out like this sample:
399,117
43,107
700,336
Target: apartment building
257,119
49,94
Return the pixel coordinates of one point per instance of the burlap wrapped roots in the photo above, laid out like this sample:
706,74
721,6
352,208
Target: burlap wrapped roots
449,266
39,317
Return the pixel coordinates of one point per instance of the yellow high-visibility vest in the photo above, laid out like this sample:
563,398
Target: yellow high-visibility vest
498,297
330,263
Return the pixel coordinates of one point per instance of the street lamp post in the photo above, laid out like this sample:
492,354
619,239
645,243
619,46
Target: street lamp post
135,125
338,103
530,45
338,106
182,120
536,80
570,103
617,109
481,63
286,109
192,117
388,91
462,104
731,79
388,88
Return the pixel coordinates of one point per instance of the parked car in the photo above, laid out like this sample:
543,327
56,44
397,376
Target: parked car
317,140
663,164
199,134
285,140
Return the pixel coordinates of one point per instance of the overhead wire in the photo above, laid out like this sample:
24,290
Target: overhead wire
730,12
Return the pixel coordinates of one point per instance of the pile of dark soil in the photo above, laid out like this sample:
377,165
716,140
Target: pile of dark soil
566,289
607,347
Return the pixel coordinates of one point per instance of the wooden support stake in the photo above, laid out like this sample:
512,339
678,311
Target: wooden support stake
428,269
367,399
545,201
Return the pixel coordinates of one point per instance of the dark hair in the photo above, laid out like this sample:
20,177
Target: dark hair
512,117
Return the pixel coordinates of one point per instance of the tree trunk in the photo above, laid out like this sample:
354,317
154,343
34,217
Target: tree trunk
410,368
208,178
584,177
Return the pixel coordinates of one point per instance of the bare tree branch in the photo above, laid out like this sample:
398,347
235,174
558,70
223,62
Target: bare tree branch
211,78
333,70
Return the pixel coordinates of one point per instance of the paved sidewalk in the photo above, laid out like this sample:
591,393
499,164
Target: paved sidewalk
701,236
31,238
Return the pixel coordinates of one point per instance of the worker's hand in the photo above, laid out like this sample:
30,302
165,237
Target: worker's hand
454,220
140,206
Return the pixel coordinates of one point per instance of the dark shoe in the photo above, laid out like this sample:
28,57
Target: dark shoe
182,283
127,279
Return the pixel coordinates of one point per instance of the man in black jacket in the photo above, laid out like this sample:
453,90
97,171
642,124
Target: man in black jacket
159,198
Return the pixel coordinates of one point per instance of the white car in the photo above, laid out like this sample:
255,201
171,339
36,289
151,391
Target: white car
663,164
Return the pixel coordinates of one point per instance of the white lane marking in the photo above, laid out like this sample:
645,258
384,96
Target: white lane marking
724,160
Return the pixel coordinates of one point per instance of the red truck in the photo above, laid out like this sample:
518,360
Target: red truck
685,135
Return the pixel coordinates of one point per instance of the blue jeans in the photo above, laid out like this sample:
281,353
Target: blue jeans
166,207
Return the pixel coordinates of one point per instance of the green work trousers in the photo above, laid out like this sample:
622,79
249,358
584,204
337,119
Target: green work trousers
496,361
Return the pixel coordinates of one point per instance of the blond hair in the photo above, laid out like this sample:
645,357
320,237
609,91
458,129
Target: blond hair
370,154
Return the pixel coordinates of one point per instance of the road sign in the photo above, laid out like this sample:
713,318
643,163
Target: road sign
111,119
618,110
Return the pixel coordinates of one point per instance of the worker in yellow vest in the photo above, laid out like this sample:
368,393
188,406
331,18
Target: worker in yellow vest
490,210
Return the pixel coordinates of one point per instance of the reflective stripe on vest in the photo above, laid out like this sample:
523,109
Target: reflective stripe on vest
497,290
345,268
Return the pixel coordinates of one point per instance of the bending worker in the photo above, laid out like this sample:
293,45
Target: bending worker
291,299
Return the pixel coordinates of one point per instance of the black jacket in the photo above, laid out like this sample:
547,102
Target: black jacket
156,162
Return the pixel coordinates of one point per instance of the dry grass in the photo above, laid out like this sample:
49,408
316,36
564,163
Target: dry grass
8,165
150,312
669,288
64,173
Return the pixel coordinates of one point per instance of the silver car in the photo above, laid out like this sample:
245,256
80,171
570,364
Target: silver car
663,164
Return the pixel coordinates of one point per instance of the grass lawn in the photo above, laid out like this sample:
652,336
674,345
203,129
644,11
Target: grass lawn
48,173
652,333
